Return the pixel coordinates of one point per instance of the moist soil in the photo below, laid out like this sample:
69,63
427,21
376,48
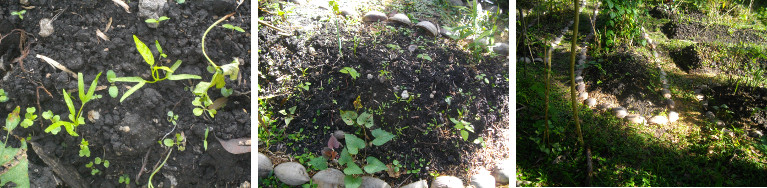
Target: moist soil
742,105
425,138
31,82
679,28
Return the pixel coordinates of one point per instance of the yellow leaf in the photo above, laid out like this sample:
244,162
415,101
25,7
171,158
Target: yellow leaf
357,103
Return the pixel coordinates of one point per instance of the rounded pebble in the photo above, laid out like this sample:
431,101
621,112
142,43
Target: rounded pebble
291,173
447,182
374,16
673,116
400,18
264,165
583,96
634,118
658,120
666,93
329,178
590,102
428,26
483,181
418,184
620,112
339,134
502,171
371,182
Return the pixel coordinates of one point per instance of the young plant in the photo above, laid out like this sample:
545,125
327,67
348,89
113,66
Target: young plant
75,117
17,169
424,56
234,28
156,70
156,21
29,117
179,141
351,72
124,179
463,127
202,100
205,141
172,118
289,116
97,161
19,13
3,95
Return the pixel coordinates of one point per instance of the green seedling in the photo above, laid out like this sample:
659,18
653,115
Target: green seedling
202,101
155,69
97,161
351,72
205,141
234,28
172,118
169,143
482,77
124,179
424,56
304,86
19,13
84,150
289,116
157,21
75,119
17,171
3,96
29,117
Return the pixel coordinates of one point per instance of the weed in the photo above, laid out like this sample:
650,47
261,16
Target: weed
172,118
464,127
304,85
16,170
351,72
169,143
125,178
29,117
97,161
3,96
205,140
481,77
202,101
19,13
154,68
234,28
75,119
289,116
424,56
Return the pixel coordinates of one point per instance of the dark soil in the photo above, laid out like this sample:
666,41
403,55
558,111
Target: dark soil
701,32
686,58
424,134
742,104
75,45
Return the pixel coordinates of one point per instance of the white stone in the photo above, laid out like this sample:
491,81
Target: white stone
374,16
418,184
670,103
329,178
710,115
264,165
400,18
673,116
620,112
583,96
590,102
339,134
700,97
581,87
502,171
370,76
291,173
483,180
658,120
501,48
578,79
666,93
636,119
429,27
404,95
371,182
447,182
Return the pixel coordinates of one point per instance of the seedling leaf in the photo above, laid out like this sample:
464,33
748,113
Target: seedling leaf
167,142
128,79
333,142
70,106
113,91
352,182
352,169
13,119
91,89
365,119
319,162
17,173
381,137
354,143
464,135
348,117
345,157
80,86
183,77
374,165
133,89
144,50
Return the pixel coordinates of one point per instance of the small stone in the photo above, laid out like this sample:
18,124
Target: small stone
666,93
416,79
404,95
525,60
418,184
578,79
604,106
431,96
673,116
502,171
428,26
720,123
264,165
501,48
447,182
670,103
457,3
125,129
339,134
329,178
349,12
636,119
401,18
756,133
291,173
93,115
374,16
370,76
710,115
590,102
581,87
583,96
537,59
658,120
371,182
620,112
483,180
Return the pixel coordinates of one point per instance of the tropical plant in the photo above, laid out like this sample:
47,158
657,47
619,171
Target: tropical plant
14,160
202,98
75,117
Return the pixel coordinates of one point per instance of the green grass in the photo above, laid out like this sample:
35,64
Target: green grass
687,154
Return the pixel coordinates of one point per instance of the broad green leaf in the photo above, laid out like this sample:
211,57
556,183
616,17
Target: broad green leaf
354,143
97,160
464,135
17,173
288,119
226,92
13,119
183,77
201,88
218,80
344,157
144,51
56,125
293,110
175,66
381,137
197,111
113,91
168,142
468,126
68,100
128,79
26,123
47,114
352,182
348,117
92,89
163,18
81,86
352,169
31,110
374,165
231,69
133,89
70,129
365,119
319,162
106,163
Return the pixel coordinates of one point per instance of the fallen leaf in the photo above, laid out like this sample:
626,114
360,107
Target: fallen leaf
233,146
122,4
333,142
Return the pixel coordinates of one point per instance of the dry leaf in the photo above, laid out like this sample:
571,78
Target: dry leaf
101,35
109,24
122,4
391,171
218,103
55,64
233,146
333,142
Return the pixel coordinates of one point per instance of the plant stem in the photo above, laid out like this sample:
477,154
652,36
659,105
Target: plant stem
206,34
572,73
158,168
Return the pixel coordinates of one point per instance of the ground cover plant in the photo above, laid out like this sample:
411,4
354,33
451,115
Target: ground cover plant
687,75
391,88
55,77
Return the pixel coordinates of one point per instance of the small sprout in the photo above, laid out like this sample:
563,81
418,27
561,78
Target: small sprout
125,179
19,13
3,96
236,28
205,141
351,72
180,1
173,118
29,117
226,92
424,56
84,150
157,21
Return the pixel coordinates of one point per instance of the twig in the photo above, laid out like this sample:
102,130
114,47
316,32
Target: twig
273,27
143,165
